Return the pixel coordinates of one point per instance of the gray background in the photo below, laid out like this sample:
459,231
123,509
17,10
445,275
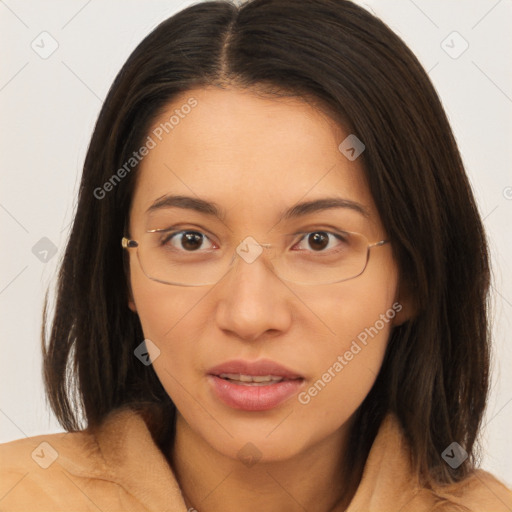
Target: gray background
48,107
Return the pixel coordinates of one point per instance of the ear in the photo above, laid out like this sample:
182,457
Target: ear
131,301
126,267
405,304
131,305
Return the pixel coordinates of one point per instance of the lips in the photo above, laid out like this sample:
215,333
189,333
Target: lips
253,386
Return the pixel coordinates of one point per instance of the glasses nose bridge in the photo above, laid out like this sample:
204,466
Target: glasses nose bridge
250,250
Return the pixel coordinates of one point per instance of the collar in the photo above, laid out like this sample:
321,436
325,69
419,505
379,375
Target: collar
123,450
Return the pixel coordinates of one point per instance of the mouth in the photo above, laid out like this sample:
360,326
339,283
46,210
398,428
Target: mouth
251,371
252,380
253,386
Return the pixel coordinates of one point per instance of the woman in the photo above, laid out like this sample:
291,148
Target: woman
274,293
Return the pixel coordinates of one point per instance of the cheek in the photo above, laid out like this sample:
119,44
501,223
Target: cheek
173,318
346,311
159,306
358,317
169,318
345,372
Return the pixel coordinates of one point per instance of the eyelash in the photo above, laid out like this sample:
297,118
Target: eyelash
339,236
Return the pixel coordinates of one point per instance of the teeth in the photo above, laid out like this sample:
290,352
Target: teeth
251,378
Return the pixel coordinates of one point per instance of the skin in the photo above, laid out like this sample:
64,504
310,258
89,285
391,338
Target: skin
255,157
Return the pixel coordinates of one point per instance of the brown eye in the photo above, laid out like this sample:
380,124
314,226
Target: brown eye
320,242
188,241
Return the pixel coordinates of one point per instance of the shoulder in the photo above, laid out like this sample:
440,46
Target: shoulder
43,450
32,469
114,466
389,482
479,492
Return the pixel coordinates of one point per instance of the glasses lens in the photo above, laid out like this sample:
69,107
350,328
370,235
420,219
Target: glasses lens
345,260
181,259
184,261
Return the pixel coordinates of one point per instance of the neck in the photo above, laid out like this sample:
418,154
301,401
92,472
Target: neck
212,482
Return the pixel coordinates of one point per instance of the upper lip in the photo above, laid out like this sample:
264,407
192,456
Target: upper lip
254,368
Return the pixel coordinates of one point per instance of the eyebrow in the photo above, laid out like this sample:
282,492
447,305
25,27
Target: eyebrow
299,210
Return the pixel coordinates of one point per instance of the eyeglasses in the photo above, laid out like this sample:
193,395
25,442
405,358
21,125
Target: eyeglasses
177,257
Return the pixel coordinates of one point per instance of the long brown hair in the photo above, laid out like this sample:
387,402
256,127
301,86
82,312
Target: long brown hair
435,373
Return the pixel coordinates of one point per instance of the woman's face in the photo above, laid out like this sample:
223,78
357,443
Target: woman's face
256,158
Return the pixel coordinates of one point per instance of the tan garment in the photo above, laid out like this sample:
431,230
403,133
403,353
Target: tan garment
122,469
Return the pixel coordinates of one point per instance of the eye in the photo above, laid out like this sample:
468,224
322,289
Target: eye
318,241
189,241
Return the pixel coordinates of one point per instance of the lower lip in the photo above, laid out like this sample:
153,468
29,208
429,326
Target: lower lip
254,398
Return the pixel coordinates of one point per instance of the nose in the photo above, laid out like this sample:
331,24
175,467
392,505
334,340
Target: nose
252,300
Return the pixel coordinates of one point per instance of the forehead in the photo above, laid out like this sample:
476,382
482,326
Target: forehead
251,155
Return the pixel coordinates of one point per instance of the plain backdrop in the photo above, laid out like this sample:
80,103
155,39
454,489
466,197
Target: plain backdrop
49,103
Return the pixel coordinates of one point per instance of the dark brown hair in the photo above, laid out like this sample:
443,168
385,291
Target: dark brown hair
435,373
